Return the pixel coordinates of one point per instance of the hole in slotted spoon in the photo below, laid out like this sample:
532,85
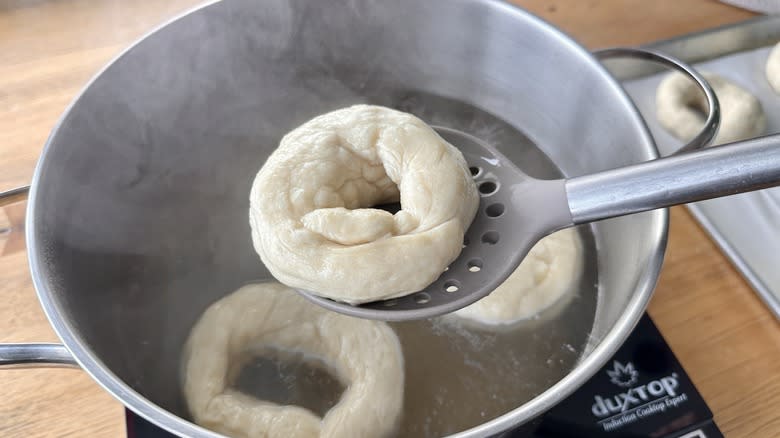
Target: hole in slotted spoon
495,210
491,237
422,298
488,188
451,286
475,265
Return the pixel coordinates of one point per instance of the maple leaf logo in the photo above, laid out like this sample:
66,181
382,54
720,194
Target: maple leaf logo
623,375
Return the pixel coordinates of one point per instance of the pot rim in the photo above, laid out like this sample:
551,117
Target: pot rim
584,370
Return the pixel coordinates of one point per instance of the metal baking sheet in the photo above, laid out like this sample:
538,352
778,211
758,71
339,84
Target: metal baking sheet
746,227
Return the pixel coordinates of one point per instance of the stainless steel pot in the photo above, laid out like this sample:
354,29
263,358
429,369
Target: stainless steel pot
137,217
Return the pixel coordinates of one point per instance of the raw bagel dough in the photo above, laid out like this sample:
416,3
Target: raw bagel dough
551,269
309,213
773,68
366,354
677,98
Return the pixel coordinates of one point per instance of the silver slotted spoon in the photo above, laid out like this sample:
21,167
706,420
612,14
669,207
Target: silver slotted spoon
516,211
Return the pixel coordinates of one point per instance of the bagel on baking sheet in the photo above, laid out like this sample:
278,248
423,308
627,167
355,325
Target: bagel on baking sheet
366,356
680,109
311,205
772,69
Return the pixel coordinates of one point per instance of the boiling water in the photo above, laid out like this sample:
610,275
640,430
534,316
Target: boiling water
457,375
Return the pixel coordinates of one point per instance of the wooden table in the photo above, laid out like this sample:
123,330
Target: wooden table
724,336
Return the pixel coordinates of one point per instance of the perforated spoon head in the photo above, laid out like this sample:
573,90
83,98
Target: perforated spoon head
515,211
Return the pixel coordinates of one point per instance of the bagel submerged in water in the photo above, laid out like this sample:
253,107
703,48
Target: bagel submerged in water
366,356
551,269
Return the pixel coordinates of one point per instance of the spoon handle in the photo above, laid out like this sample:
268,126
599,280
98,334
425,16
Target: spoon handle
710,173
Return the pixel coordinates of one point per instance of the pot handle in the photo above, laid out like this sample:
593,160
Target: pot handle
31,355
711,124
35,356
14,195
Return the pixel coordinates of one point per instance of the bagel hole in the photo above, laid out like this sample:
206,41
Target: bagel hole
698,104
288,378
392,207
